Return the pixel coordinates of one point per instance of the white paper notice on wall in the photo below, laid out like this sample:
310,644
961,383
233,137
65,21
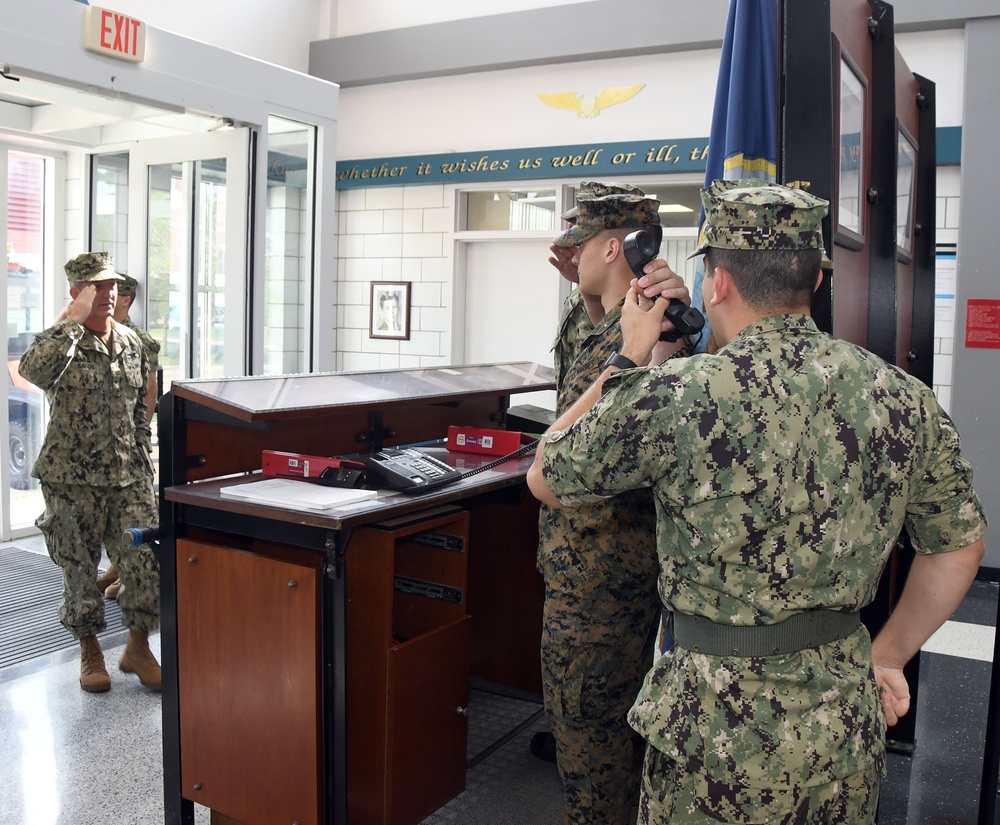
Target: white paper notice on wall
944,294
296,495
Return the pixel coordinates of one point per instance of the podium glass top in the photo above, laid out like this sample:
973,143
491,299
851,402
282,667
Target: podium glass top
255,398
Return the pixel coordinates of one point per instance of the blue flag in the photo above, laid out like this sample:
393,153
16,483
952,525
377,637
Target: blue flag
743,142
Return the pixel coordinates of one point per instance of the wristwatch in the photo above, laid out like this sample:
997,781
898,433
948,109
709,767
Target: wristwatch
620,361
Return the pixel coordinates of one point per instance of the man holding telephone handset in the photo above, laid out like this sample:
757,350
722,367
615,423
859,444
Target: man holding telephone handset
599,563
783,467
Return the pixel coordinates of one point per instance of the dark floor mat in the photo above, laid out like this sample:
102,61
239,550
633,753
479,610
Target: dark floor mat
30,595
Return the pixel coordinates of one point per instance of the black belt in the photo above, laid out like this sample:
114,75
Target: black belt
799,632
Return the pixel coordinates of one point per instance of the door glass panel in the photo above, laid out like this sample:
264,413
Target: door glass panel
288,246
210,268
109,207
26,243
165,268
186,267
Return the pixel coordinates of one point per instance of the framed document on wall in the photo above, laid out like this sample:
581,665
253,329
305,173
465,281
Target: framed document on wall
390,310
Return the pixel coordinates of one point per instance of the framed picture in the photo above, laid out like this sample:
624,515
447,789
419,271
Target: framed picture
390,310
906,185
851,174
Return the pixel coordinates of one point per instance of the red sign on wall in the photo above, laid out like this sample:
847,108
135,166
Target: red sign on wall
982,323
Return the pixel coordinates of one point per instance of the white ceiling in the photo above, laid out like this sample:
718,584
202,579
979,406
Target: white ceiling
50,115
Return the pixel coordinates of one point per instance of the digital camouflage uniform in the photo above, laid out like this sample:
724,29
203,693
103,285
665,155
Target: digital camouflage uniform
601,605
128,286
783,469
149,343
95,470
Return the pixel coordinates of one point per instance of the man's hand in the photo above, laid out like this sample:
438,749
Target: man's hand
562,259
659,279
642,321
894,692
82,305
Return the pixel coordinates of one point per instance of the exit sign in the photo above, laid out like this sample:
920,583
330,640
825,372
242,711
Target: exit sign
113,34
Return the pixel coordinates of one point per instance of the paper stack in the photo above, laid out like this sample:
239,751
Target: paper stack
296,495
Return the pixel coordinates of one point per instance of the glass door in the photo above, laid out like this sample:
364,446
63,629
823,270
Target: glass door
26,180
193,196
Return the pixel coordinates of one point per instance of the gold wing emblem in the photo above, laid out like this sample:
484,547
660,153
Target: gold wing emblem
590,105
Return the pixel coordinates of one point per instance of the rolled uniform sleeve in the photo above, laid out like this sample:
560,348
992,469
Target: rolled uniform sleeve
46,359
97,433
944,512
611,448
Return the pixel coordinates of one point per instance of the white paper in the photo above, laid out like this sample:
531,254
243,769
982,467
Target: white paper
298,495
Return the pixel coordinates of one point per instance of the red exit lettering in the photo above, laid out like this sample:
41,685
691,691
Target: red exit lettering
125,29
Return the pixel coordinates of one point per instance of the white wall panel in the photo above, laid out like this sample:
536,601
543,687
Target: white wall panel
501,110
363,16
939,56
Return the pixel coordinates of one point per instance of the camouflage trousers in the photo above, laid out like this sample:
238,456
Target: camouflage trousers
594,657
77,521
672,796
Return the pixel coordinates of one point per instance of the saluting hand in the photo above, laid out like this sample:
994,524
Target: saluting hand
562,259
82,305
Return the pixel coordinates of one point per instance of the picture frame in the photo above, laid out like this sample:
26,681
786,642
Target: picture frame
906,192
390,310
852,167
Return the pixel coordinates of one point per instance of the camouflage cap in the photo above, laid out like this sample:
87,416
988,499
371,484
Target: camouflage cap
91,266
595,214
597,189
759,214
128,286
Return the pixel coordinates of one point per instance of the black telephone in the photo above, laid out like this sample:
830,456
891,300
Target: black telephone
640,248
408,470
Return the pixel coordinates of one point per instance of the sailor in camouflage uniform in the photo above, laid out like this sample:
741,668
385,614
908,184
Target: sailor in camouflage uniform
598,563
109,582
94,467
783,468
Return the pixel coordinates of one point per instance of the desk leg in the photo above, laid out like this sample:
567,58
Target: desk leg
176,809
333,688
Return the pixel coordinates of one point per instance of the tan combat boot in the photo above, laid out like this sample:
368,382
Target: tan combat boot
106,578
93,675
139,659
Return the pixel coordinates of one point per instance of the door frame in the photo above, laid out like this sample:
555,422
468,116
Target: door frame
234,145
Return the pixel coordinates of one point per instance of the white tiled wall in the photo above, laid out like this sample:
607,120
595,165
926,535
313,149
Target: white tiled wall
284,346
948,190
406,234
396,234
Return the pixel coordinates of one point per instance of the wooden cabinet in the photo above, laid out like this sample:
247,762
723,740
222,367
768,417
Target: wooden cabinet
406,596
248,679
316,665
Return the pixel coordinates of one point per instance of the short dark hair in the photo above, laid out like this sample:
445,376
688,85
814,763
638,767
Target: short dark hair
769,279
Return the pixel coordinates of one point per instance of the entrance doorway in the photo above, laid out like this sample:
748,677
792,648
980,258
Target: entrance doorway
171,206
191,196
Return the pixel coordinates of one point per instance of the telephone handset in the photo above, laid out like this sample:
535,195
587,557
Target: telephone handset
409,470
640,247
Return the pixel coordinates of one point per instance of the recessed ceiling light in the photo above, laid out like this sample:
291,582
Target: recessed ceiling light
674,207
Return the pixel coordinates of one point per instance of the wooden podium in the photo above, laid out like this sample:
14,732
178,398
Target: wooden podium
316,665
